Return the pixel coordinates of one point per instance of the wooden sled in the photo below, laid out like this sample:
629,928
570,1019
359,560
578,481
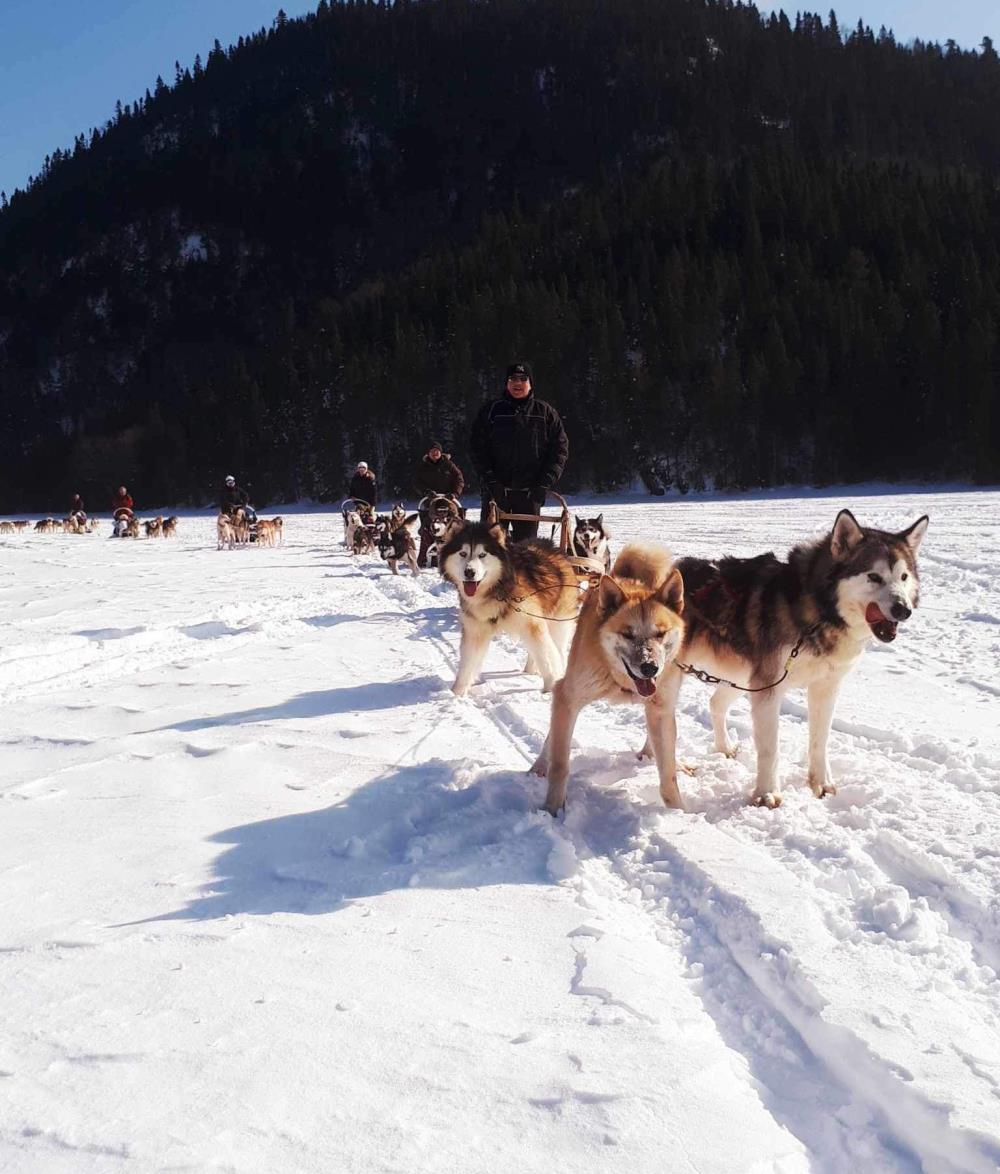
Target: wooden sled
588,570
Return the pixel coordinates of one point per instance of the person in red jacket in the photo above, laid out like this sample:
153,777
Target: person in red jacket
122,507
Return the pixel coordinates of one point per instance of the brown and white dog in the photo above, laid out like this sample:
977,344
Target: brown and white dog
628,633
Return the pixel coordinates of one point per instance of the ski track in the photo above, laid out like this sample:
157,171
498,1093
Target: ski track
751,904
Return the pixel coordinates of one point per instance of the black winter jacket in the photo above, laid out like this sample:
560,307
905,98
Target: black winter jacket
362,487
440,476
231,496
519,444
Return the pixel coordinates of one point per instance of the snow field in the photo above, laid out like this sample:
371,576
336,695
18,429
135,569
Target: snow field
274,899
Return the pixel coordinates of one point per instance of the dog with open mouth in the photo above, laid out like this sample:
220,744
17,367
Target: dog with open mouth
629,631
590,540
527,590
764,626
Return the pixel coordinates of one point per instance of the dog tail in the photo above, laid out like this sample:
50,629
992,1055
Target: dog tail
644,562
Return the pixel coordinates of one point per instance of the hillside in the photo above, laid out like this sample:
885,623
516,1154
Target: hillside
735,249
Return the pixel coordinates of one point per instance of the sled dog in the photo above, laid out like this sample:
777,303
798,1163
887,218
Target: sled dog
395,541
771,626
225,531
527,590
629,631
154,527
590,540
169,527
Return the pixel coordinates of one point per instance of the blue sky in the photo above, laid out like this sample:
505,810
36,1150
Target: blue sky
64,63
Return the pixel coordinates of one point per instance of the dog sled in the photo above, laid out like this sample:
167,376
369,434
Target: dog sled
588,570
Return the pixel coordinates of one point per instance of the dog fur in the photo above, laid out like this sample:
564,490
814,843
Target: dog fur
527,590
743,617
629,631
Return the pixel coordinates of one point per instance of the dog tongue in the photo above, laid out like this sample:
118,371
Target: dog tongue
884,629
644,686
470,589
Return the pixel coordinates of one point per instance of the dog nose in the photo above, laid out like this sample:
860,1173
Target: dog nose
470,573
900,611
647,668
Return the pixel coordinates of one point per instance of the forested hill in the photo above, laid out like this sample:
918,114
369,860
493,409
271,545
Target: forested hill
733,248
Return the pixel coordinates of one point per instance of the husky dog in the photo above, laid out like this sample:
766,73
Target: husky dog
225,531
169,528
7,528
154,527
629,631
397,515
352,523
770,626
527,590
590,540
395,541
363,539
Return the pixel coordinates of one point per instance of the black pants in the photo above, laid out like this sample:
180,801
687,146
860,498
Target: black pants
516,501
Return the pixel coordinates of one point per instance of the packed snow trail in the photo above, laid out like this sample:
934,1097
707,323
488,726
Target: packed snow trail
274,899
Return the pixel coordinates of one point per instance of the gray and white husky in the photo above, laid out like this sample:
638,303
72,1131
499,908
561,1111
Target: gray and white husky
744,619
590,540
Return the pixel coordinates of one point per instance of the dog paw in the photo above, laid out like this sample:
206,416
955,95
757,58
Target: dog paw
539,767
687,768
459,691
769,800
731,750
552,809
645,752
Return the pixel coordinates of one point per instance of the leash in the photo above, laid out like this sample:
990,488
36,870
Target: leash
707,678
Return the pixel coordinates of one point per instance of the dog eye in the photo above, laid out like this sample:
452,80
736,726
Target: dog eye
629,633
873,578
904,576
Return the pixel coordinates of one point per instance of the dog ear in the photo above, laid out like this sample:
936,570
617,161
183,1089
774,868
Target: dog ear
915,534
579,521
599,521
498,534
846,535
609,594
671,592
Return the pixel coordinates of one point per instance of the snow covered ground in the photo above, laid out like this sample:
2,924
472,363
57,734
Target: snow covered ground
271,899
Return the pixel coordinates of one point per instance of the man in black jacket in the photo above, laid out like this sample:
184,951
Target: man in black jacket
519,449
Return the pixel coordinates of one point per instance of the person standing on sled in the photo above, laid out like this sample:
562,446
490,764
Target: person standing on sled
437,474
77,510
363,489
519,449
122,507
232,497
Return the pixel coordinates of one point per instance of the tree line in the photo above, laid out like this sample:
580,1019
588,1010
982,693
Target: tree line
737,250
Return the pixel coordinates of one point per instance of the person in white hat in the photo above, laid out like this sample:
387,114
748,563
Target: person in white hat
362,486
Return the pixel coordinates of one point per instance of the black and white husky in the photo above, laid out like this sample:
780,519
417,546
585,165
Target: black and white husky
590,540
767,626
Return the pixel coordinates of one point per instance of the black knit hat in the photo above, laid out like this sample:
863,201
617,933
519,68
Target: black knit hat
435,444
519,369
